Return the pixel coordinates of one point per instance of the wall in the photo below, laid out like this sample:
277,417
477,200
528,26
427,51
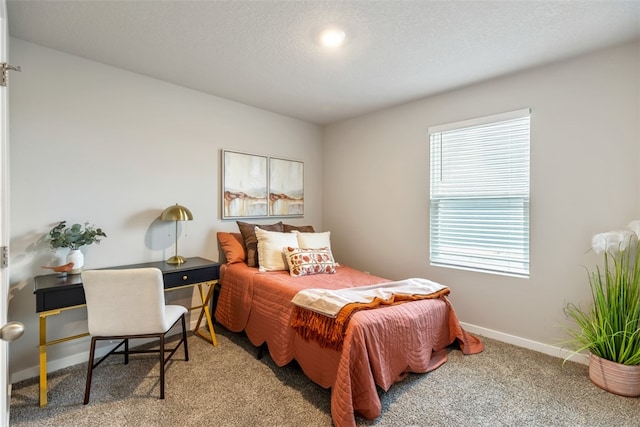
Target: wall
585,142
94,143
89,142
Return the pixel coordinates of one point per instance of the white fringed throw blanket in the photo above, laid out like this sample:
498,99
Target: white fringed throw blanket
322,314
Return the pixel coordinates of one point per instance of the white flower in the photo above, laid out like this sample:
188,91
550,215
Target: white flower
599,243
635,227
613,241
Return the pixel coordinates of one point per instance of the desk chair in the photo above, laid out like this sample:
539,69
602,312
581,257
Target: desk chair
126,304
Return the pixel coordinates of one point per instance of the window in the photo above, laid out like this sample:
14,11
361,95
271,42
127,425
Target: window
479,202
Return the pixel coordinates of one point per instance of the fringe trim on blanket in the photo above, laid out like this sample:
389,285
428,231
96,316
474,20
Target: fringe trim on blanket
329,332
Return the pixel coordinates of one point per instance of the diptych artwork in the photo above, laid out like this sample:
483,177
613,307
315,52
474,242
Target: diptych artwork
259,186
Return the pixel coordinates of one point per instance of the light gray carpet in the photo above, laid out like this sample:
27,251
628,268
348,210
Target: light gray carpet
227,386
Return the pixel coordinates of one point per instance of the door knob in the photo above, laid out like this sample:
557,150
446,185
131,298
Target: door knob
11,331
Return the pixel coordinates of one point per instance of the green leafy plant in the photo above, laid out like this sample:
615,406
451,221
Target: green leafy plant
75,236
610,326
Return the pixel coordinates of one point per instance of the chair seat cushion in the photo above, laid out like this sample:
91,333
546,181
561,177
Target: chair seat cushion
172,314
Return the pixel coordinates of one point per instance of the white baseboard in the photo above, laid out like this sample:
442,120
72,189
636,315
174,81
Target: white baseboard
74,359
526,343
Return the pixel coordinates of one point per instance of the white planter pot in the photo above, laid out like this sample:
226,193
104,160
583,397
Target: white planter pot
77,258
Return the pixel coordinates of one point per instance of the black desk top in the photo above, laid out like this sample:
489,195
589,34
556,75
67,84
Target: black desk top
48,281
55,292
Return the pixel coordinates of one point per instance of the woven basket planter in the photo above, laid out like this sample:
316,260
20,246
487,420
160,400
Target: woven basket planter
623,380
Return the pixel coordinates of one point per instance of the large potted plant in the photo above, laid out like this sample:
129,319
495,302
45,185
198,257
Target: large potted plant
74,237
609,327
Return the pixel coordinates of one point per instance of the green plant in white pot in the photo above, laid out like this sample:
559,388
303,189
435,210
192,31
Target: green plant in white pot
609,327
74,237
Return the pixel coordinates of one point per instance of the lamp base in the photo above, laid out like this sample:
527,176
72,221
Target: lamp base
176,259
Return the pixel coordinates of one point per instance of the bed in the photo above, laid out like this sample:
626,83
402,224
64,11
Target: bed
380,345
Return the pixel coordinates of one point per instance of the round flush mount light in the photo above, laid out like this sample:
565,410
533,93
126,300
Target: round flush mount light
331,37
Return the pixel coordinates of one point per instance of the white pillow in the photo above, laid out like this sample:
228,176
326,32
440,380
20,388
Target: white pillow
270,245
313,240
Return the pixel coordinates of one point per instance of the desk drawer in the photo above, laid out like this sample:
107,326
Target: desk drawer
189,277
59,298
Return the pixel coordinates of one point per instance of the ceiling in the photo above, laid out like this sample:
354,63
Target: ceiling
265,54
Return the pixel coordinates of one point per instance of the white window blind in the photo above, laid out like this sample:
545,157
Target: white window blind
479,202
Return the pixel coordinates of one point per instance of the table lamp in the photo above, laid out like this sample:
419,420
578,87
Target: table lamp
176,213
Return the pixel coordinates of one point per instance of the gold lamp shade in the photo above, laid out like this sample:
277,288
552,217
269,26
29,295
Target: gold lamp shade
176,213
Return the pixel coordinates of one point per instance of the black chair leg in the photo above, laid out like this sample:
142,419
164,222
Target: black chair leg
162,366
184,338
161,352
87,388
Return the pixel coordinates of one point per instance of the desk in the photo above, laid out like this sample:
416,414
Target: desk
56,294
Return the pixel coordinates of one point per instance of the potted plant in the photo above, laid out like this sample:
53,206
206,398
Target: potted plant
74,237
609,327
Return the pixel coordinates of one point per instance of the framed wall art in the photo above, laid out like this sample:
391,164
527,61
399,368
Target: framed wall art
244,185
255,186
286,187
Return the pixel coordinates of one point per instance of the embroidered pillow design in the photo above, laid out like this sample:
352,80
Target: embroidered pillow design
304,262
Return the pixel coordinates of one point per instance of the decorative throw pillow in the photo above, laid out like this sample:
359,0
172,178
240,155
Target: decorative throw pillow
313,240
304,262
232,246
303,228
270,245
251,242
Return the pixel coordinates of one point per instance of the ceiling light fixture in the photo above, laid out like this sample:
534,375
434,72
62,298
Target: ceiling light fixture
332,37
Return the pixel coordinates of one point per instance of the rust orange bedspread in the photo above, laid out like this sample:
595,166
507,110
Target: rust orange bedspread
380,345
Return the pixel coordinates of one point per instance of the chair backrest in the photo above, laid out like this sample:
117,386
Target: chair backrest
124,302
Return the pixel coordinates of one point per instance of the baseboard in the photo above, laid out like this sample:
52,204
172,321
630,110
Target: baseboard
56,365
551,350
74,359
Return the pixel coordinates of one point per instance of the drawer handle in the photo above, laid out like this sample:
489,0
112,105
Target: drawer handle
184,277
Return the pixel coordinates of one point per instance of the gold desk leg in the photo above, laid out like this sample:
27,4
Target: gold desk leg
43,360
42,347
205,312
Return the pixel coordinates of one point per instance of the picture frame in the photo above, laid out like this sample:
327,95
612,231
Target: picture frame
286,187
244,185
257,186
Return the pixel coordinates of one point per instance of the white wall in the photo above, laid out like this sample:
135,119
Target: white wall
95,143
585,149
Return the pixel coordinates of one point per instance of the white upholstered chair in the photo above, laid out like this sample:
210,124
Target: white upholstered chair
125,304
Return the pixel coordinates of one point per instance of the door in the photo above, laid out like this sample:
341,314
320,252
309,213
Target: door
13,330
4,187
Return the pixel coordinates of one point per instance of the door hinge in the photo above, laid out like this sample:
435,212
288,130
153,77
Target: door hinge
4,257
5,68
